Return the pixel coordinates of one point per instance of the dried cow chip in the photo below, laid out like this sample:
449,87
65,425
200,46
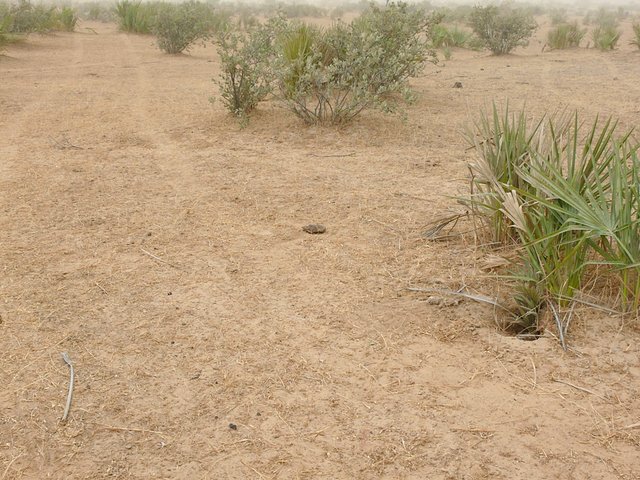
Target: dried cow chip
314,228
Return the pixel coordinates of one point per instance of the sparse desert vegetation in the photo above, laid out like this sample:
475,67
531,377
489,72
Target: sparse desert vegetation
565,35
289,282
502,28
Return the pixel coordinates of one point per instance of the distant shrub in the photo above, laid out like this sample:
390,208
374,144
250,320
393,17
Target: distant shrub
442,36
68,19
297,10
30,18
6,21
636,33
601,18
558,16
135,17
178,26
461,13
95,11
566,35
606,37
502,28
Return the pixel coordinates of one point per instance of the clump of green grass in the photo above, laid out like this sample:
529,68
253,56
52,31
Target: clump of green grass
568,197
605,37
23,18
135,17
566,35
68,19
443,37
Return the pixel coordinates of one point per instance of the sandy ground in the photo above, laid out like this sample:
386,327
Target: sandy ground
160,245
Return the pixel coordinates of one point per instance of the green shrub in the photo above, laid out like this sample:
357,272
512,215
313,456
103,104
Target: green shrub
135,17
605,37
569,197
327,76
68,19
337,74
246,58
636,33
503,28
29,18
178,26
6,21
566,35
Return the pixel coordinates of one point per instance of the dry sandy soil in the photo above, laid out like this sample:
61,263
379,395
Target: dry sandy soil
159,244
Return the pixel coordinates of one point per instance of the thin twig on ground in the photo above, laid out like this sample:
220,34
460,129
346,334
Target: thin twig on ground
477,298
577,387
67,360
535,374
338,155
6,470
128,429
155,257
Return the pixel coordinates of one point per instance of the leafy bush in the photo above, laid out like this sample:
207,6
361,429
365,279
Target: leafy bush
246,58
566,35
636,33
135,17
605,37
332,76
569,198
6,21
327,76
29,18
177,27
503,28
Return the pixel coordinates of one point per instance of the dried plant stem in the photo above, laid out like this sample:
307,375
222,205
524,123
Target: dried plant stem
67,360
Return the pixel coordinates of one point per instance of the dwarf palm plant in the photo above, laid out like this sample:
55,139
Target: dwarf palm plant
568,199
